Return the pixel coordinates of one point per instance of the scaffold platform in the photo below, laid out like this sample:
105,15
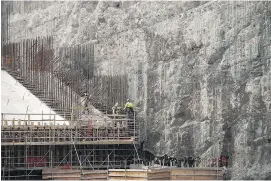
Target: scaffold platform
32,145
121,130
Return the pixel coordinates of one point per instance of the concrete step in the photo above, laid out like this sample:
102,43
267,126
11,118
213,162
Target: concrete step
38,91
50,99
30,87
42,96
55,107
18,78
13,73
27,84
51,104
38,94
61,110
64,114
42,91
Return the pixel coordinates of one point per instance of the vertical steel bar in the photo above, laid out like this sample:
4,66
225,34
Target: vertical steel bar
23,63
20,59
35,63
12,57
50,61
31,60
42,82
44,78
27,59
7,23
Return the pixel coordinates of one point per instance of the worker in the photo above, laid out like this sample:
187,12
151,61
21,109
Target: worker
129,107
9,61
84,102
115,109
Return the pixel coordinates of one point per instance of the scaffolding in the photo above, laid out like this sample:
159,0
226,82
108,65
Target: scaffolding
58,78
31,145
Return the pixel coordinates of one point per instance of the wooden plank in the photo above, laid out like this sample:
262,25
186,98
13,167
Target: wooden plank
134,170
195,171
182,171
193,177
159,175
94,175
95,172
162,175
184,177
67,178
160,178
126,178
207,177
90,178
206,171
196,177
127,174
192,168
45,177
159,170
139,174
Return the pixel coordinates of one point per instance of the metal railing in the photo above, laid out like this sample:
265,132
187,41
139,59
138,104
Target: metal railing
50,130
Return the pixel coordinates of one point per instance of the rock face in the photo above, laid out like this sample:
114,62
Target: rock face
199,72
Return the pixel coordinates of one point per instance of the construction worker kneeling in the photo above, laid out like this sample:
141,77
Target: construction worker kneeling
116,109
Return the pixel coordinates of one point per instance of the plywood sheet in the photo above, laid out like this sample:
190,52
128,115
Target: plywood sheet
128,173
196,174
126,178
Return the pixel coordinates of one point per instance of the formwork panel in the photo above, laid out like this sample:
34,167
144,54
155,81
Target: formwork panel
94,175
127,178
127,173
139,174
196,174
58,174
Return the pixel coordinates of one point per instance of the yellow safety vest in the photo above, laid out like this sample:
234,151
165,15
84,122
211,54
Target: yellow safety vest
129,105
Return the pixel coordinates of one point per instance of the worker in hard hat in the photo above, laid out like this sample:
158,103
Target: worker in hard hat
129,107
84,102
115,109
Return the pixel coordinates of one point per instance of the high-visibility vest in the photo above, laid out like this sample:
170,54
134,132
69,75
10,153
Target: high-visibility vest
129,105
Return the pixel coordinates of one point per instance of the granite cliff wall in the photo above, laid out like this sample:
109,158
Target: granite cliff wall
199,72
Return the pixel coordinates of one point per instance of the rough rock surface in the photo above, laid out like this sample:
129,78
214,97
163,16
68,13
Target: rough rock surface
198,71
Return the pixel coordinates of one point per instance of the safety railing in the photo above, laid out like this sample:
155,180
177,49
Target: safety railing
16,119
46,131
